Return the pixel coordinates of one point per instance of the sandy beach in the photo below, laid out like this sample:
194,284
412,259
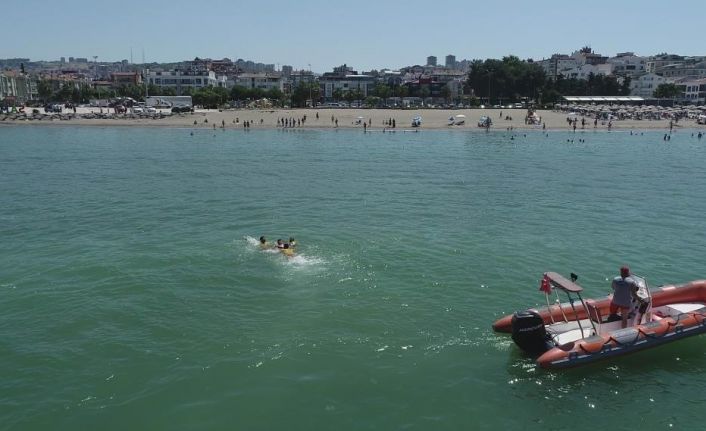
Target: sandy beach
376,119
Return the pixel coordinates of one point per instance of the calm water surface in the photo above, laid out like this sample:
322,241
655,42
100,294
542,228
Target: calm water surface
133,295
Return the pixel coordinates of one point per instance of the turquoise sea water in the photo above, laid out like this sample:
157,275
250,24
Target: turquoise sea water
133,296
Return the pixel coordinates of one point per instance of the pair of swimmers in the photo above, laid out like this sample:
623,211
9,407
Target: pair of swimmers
287,248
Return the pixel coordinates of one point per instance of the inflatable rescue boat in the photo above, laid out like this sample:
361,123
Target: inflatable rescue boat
582,331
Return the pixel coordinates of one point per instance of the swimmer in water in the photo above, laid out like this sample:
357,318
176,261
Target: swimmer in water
292,242
287,250
280,244
263,243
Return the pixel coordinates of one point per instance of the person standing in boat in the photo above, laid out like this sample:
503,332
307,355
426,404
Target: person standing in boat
624,292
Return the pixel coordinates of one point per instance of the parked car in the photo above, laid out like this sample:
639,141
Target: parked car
180,109
53,108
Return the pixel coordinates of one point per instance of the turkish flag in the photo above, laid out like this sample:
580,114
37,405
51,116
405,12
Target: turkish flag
545,286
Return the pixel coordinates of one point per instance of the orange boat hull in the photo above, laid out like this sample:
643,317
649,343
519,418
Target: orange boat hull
622,341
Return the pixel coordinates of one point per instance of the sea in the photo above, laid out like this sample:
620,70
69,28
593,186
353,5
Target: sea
134,294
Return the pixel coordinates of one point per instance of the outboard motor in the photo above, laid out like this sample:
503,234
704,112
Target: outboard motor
528,332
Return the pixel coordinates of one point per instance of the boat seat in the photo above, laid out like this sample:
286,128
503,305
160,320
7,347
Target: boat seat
561,327
573,335
676,309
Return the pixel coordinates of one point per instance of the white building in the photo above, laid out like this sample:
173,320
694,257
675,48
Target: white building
263,81
180,80
683,70
628,64
298,77
17,87
566,65
655,63
693,89
363,84
585,70
645,85
558,64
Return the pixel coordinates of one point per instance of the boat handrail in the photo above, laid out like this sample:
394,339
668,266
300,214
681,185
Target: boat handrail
594,314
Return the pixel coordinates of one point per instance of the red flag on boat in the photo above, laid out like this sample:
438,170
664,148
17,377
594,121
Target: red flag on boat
545,286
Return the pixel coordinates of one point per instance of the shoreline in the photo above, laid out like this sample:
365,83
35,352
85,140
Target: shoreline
351,119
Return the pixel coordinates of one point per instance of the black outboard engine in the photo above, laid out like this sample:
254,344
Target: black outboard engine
528,332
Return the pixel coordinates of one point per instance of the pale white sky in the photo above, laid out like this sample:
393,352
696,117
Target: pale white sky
365,34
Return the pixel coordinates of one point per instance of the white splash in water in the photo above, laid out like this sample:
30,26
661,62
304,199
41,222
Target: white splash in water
296,261
251,241
304,260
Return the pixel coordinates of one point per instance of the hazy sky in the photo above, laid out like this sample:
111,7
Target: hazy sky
365,34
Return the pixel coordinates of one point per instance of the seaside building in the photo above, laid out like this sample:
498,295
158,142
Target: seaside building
431,61
8,87
628,64
287,70
263,81
451,61
586,55
693,90
220,67
655,63
391,78
252,67
585,70
690,68
557,64
344,80
17,88
567,65
437,83
181,80
645,85
298,77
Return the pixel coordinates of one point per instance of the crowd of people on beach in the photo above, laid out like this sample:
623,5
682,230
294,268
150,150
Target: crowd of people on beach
605,113
292,122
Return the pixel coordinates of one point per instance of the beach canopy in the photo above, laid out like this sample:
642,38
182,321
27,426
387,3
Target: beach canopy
603,99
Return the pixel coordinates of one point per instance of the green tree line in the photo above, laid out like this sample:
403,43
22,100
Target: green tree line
512,79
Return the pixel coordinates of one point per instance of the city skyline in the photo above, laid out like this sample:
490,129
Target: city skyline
314,35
